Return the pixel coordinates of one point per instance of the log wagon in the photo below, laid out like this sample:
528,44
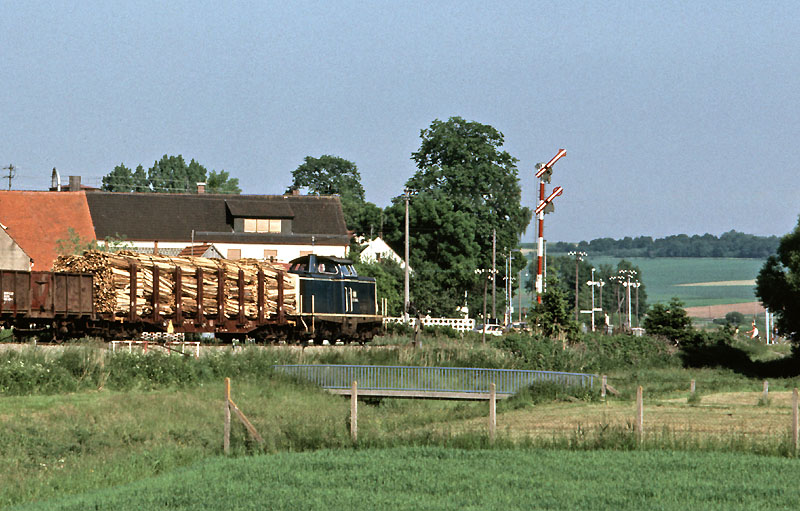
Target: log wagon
120,296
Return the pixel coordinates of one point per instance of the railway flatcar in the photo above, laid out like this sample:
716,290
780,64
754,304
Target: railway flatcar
319,298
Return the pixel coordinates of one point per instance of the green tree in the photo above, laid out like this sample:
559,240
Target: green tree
778,285
465,187
670,321
332,175
170,174
553,318
389,282
222,183
119,180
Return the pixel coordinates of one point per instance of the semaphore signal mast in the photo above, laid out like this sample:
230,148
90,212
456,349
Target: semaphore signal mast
544,172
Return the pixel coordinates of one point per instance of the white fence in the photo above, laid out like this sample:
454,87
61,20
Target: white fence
460,324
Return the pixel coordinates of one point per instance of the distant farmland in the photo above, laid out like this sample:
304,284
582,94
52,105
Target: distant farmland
666,277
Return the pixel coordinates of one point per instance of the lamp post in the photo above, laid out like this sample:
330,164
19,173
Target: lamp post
594,284
626,275
578,258
617,279
543,174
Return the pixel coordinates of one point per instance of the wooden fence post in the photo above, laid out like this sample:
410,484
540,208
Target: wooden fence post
639,416
603,381
354,411
765,395
492,412
226,438
794,421
692,387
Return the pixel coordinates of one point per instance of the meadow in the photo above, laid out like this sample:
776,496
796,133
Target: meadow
436,478
145,431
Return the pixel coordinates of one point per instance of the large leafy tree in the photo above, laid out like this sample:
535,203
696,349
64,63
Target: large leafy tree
778,285
465,187
170,174
332,175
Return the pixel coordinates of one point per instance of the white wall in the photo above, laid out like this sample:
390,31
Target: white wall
12,257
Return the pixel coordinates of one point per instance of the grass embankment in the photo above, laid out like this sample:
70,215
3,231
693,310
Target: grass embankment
438,478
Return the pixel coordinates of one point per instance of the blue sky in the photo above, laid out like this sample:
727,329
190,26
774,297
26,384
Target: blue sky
677,117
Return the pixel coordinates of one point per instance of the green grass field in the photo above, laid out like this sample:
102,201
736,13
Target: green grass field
662,276
444,479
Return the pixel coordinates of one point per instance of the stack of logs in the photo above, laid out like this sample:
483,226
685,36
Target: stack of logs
112,283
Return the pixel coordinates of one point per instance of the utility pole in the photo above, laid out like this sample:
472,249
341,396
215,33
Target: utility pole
12,171
494,272
578,258
543,173
407,197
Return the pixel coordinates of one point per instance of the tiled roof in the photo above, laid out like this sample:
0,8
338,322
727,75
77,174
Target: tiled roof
36,220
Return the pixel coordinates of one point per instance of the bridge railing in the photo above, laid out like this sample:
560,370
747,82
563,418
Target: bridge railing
431,379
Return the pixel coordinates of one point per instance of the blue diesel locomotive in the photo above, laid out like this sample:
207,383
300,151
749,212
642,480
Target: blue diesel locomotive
334,302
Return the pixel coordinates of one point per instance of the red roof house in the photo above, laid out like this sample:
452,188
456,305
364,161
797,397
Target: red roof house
37,220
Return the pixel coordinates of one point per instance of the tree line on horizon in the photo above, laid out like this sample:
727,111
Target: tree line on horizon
729,244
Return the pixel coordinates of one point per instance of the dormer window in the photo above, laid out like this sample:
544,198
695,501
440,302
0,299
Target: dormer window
272,225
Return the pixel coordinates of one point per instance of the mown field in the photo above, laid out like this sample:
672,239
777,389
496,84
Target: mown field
436,478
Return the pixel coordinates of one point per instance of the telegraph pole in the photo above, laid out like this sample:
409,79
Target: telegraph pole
407,197
12,172
494,272
543,173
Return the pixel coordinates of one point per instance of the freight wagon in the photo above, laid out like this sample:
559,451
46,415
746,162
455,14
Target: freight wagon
317,298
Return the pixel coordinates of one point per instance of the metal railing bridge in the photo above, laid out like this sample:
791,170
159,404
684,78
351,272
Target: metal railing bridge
430,382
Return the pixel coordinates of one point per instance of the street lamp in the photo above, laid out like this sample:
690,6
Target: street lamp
594,284
626,275
635,285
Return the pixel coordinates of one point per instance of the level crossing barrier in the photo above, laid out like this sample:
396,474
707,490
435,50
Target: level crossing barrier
442,381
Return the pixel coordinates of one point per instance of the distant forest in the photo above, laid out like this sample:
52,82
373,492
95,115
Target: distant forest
730,244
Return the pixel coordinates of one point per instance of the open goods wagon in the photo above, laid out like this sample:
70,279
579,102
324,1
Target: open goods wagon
122,295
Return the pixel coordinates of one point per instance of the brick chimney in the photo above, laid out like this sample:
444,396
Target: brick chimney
74,183
201,188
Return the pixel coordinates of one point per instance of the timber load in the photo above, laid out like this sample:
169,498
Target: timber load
132,285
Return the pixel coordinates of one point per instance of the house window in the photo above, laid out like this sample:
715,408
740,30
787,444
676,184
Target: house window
234,253
270,255
306,252
272,225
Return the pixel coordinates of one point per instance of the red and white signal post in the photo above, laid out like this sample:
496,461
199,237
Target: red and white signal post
543,173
